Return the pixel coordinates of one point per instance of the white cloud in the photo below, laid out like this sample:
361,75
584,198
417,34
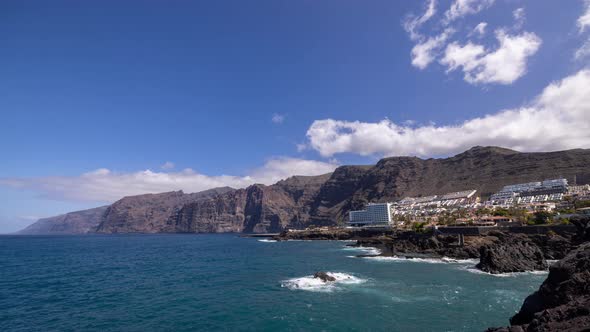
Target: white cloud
278,118
426,51
584,20
412,23
103,185
583,52
168,165
503,65
461,8
519,17
479,29
557,119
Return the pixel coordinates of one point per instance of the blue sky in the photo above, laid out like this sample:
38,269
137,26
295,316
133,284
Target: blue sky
93,94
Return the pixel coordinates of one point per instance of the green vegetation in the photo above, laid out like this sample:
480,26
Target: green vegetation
581,204
419,227
541,218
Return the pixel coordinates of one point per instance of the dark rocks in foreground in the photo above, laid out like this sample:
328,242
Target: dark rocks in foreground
511,253
562,303
323,276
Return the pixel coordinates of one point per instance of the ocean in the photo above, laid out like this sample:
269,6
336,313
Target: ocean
228,283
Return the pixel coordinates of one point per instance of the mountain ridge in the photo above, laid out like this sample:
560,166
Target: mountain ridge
300,201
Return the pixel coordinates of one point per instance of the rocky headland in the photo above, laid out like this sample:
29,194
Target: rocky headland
562,303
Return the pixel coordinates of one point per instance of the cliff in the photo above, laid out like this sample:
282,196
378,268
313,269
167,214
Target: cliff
149,213
301,201
79,222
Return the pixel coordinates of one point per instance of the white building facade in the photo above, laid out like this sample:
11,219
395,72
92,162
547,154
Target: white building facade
374,214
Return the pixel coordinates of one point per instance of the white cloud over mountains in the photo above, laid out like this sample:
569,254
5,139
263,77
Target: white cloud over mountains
481,64
504,65
557,119
103,185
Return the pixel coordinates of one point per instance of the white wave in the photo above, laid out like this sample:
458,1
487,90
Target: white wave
504,275
309,283
443,260
364,250
267,240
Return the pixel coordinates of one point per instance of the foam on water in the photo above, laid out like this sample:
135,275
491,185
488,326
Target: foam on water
364,250
472,269
267,240
443,260
309,283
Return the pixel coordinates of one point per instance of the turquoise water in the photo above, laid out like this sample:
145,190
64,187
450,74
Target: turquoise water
222,282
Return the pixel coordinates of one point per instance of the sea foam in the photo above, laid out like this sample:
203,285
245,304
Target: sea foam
364,250
475,270
309,283
442,260
267,240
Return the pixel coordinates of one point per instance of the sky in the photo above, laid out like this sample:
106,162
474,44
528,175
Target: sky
104,99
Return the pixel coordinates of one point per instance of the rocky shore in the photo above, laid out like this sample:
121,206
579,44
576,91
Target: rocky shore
562,303
498,251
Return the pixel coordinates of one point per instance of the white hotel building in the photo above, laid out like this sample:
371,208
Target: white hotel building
374,214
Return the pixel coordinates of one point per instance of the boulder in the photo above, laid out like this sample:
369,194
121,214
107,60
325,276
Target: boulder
511,253
562,303
323,276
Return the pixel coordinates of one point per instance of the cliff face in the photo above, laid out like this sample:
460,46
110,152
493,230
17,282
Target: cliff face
301,201
149,213
79,222
256,209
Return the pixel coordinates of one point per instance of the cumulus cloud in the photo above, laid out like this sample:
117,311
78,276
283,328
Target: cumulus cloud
104,185
519,17
412,23
583,52
557,119
584,20
278,118
460,8
504,65
426,51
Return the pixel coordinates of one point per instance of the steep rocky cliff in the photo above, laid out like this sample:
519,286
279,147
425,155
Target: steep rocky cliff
79,222
149,213
301,201
256,209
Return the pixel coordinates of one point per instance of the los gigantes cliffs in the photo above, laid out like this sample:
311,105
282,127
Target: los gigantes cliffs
300,201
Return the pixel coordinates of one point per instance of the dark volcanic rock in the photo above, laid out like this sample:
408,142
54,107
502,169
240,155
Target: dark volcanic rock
582,224
324,276
79,222
256,209
150,213
562,303
511,253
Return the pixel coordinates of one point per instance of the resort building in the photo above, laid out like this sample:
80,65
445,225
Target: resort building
374,214
529,193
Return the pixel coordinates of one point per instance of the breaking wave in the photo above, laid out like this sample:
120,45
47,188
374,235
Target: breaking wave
309,283
267,240
443,260
364,250
473,269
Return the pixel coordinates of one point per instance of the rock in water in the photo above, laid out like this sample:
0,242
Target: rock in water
562,303
511,253
325,277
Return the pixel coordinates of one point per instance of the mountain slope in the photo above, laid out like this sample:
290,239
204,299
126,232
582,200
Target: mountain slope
79,222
